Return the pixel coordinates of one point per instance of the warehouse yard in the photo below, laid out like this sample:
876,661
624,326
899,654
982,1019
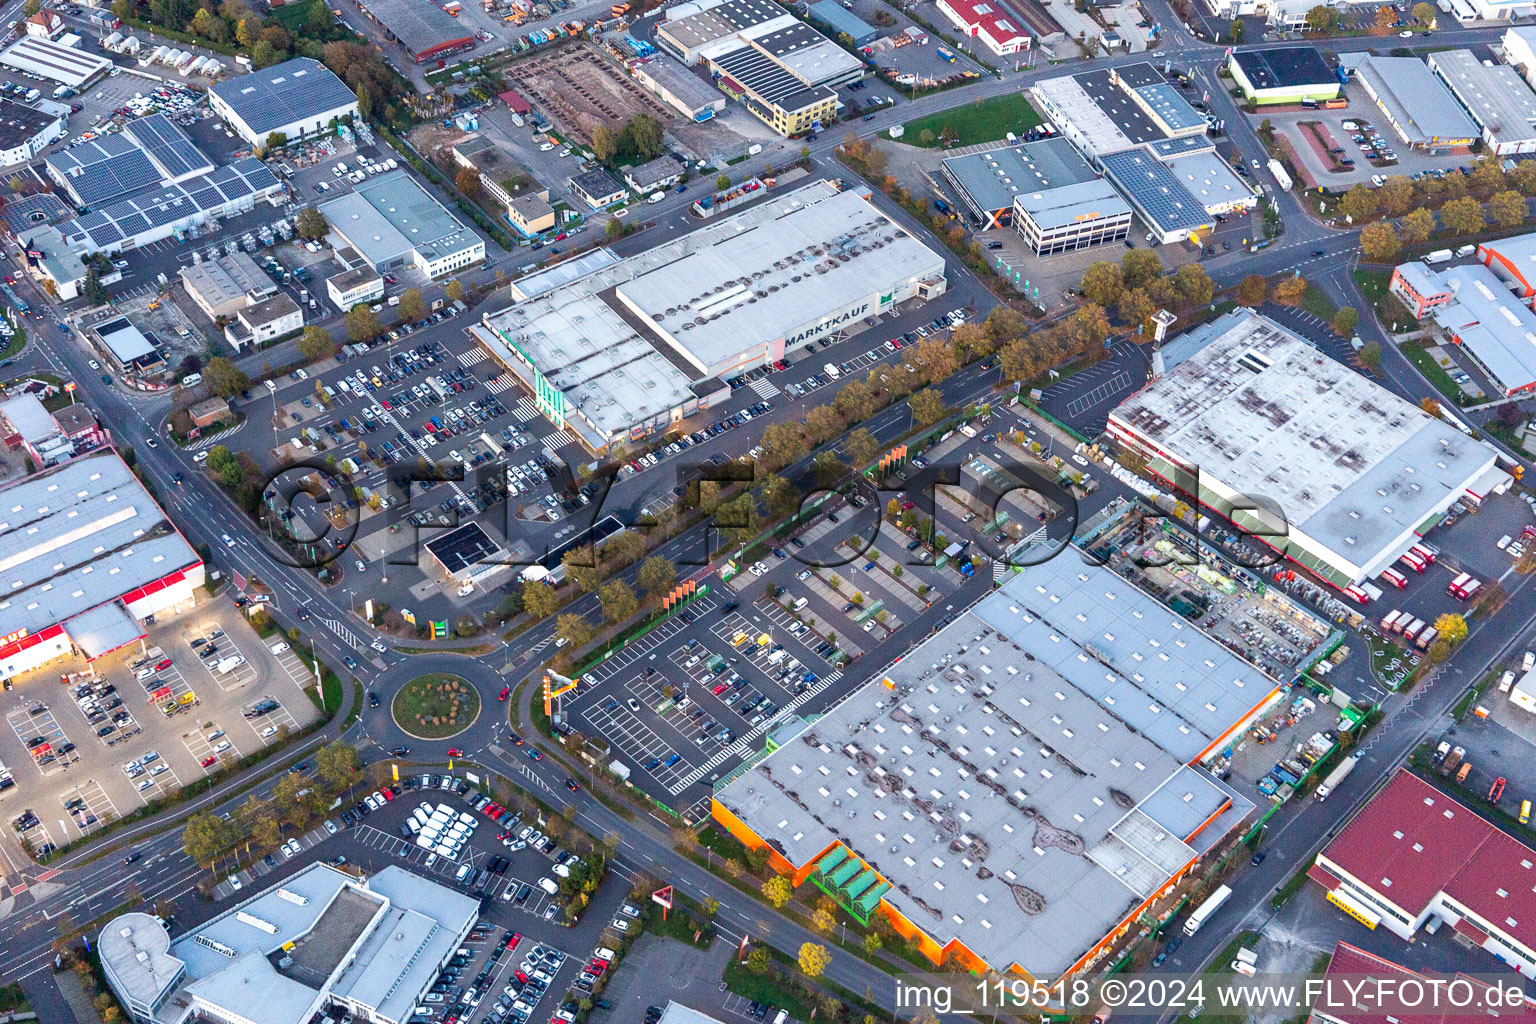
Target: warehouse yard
581,91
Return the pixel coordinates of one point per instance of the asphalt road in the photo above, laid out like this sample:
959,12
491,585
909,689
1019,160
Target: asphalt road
164,871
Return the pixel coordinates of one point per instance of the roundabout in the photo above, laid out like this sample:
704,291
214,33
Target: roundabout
435,706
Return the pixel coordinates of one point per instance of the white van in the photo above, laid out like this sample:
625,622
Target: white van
424,841
656,197
548,885
801,603
191,380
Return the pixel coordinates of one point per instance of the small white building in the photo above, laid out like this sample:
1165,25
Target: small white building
26,132
265,321
351,287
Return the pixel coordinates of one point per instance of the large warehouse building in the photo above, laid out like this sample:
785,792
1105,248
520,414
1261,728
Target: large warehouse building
1020,789
426,31
1326,467
1497,97
88,556
619,349
295,99
1178,187
1476,311
320,939
392,222
1283,74
1415,103
1414,855
1117,108
54,61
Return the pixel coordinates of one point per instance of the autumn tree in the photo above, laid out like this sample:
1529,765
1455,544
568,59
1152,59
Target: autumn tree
311,224
412,307
656,575
575,629
777,891
1462,216
1417,226
618,601
454,290
224,377
1004,324
1451,627
1140,267
1289,291
863,447
814,960
1507,208
1379,241
1386,18
1103,283
1193,285
1322,18
315,343
468,182
926,406
1395,195
362,324
1252,290
540,600
1359,203
1344,320
338,766
1423,13
1370,356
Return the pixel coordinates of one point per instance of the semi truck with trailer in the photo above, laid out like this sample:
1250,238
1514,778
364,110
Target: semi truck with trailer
1338,775
1203,912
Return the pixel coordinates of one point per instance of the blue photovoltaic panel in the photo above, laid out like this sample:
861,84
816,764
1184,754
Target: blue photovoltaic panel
1155,190
168,146
102,169
287,93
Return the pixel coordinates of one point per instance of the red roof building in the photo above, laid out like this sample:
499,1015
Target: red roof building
1414,854
989,21
515,102
1336,1003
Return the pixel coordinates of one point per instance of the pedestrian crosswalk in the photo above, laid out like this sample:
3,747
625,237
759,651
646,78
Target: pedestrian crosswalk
473,356
765,388
999,570
335,626
499,383
559,439
527,411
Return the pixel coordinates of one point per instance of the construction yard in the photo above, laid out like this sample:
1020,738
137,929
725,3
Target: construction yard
581,90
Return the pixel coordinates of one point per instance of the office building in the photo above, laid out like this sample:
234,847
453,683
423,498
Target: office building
1414,855
1025,788
319,939
1178,188
1329,469
89,556
264,321
351,287
1474,310
26,132
392,222
295,99
1072,217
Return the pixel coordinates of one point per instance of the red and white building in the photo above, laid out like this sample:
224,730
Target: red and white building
1419,288
988,21
87,556
49,437
1414,856
1362,972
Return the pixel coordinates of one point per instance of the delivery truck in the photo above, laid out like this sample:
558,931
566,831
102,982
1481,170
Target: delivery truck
1338,775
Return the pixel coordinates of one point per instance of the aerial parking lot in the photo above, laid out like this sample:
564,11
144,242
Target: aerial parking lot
90,742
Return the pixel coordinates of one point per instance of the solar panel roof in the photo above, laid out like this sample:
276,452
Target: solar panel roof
168,146
100,170
1155,190
284,93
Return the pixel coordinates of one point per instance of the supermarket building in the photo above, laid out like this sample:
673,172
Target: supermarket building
89,556
1019,790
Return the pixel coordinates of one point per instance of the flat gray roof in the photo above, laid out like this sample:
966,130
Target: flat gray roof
78,535
1265,415
226,279
738,291
420,27
1210,179
1087,200
1419,102
390,216
1490,322
664,70
1498,98
125,341
295,90
993,178
1021,778
134,950
27,417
